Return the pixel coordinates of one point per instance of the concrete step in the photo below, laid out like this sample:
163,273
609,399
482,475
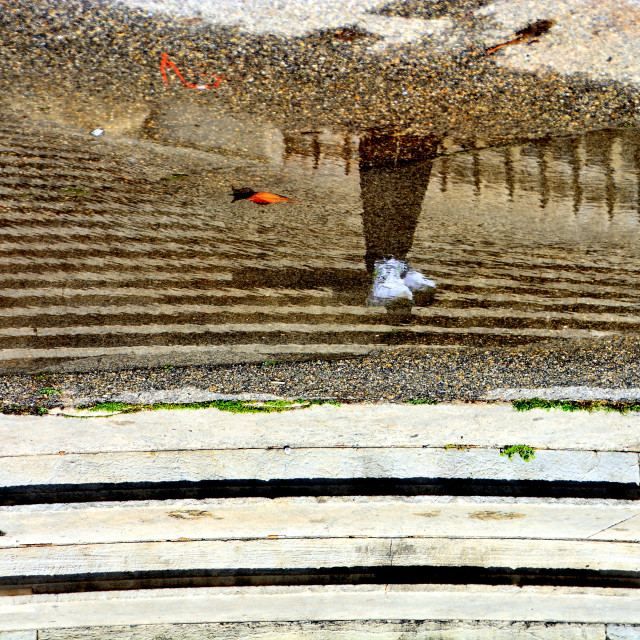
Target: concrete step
341,630
368,611
321,518
51,550
413,444
356,425
47,544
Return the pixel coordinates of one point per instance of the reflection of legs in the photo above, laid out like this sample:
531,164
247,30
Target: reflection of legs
394,175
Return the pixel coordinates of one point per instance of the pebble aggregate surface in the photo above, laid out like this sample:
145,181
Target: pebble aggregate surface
443,375
339,77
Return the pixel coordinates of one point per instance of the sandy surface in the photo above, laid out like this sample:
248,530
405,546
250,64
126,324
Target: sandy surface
599,370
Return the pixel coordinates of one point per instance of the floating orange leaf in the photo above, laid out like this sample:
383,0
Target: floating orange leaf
259,197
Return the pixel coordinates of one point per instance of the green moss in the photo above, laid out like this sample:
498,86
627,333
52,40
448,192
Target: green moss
112,406
234,406
76,191
423,401
174,176
270,363
454,445
574,405
48,391
524,451
24,411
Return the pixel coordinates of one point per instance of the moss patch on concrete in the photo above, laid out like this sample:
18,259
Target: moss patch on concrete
234,406
575,405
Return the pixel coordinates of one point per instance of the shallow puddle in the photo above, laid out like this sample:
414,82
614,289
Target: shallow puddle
114,258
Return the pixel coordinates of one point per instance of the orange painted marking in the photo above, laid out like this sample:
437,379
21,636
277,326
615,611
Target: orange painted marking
165,62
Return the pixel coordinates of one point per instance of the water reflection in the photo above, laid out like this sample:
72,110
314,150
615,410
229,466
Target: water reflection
106,262
394,176
558,170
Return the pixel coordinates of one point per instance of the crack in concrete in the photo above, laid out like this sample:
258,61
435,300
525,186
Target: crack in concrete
615,524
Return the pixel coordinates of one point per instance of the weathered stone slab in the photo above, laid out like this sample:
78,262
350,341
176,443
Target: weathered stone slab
289,463
320,518
623,632
385,425
18,635
365,630
327,603
307,554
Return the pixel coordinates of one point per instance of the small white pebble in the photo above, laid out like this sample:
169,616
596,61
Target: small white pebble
97,132
287,449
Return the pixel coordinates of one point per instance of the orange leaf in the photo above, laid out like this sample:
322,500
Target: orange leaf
264,197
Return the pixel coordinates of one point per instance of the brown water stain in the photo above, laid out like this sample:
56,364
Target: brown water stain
192,514
495,515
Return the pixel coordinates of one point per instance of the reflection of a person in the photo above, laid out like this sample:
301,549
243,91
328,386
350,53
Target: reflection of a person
394,176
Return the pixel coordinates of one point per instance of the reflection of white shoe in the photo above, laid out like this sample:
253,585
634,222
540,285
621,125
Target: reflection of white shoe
415,281
387,283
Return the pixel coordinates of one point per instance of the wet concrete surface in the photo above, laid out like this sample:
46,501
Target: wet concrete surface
517,192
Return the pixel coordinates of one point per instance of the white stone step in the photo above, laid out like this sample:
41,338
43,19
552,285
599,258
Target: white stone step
321,442
342,630
56,542
193,606
321,518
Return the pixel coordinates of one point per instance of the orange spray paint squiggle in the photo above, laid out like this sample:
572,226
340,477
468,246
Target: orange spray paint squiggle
165,62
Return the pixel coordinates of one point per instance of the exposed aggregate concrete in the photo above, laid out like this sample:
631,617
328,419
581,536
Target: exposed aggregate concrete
327,78
456,374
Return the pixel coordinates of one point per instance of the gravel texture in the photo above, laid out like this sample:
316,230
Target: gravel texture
336,77
457,374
